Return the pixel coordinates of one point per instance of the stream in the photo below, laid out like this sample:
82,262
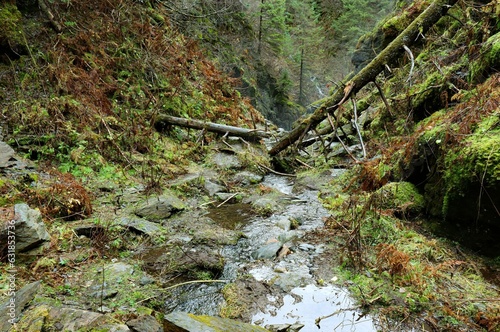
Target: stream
298,297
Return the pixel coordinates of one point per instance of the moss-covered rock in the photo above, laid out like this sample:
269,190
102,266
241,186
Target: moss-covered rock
181,321
489,59
402,197
11,35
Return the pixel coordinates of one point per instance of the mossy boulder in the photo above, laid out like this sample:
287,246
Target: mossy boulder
11,35
472,186
401,197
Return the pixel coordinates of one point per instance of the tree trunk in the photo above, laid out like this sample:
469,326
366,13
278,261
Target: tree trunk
419,26
163,121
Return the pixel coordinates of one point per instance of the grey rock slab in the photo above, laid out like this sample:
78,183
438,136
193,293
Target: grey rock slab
48,318
29,228
185,322
267,251
247,178
12,307
213,188
6,152
226,161
145,323
140,225
159,208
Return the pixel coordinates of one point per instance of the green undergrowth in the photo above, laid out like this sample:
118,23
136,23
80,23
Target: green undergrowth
396,270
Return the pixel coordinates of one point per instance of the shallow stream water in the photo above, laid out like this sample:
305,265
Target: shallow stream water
300,300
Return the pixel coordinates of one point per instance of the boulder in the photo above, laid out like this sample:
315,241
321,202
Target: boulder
6,152
47,318
29,228
159,208
185,322
267,251
139,225
12,309
226,161
145,323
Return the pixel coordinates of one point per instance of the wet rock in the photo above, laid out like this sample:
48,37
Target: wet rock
306,247
184,322
247,178
213,188
159,208
12,310
6,153
284,223
145,323
140,225
297,276
227,197
211,233
188,259
30,229
268,251
226,161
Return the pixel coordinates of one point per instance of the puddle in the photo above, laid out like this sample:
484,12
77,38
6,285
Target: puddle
232,216
327,308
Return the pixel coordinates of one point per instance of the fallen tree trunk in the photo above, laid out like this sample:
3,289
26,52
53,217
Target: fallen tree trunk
394,50
163,121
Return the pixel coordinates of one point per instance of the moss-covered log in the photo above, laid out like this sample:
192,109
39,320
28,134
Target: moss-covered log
394,50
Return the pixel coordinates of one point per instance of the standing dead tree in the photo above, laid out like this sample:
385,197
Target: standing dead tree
368,74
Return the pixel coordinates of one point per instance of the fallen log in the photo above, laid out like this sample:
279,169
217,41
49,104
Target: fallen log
163,120
418,27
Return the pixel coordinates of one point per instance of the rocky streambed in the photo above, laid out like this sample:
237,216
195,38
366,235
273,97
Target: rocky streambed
275,266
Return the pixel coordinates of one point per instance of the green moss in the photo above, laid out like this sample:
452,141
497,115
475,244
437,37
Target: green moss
477,160
400,196
10,18
490,57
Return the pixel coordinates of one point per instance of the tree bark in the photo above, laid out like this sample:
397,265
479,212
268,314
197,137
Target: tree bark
163,120
419,26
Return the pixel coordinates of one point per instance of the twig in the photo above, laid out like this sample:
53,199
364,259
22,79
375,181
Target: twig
276,172
227,200
303,163
319,319
355,110
383,97
410,54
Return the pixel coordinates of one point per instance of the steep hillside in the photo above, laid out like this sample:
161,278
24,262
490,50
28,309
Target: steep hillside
86,79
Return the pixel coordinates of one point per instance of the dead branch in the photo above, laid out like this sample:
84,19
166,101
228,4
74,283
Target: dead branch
45,8
355,110
412,59
163,121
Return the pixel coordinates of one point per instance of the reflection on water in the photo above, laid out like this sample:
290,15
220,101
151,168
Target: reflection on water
329,306
232,216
